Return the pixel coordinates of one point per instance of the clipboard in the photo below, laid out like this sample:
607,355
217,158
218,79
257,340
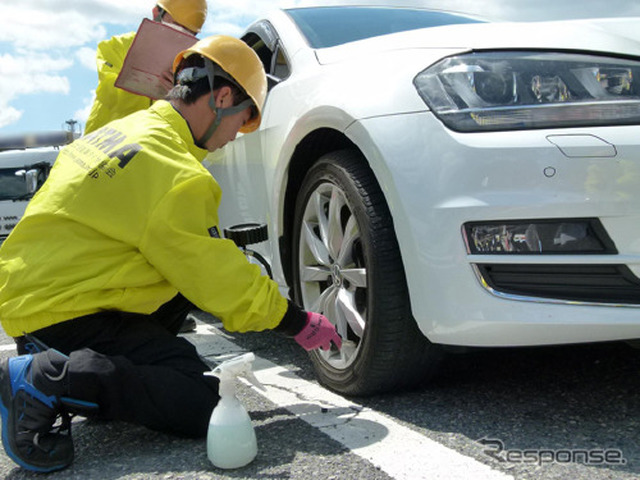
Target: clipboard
152,52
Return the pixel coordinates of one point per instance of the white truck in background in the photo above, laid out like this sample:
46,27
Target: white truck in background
25,161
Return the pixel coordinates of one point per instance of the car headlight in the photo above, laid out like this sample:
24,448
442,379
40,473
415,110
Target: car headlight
518,90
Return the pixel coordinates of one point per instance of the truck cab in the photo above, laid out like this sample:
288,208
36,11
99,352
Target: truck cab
25,162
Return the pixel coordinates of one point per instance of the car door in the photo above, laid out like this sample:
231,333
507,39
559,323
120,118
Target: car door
243,168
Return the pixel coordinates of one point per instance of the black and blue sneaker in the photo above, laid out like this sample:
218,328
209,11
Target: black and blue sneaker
36,430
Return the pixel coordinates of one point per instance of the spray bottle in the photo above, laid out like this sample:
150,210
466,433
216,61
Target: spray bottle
231,439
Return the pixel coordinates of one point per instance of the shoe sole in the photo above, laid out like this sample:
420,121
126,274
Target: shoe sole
6,397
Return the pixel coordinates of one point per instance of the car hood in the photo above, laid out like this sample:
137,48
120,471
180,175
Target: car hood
610,35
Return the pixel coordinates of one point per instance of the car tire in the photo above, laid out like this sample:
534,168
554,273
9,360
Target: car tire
347,265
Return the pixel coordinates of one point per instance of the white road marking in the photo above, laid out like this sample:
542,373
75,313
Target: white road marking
400,452
6,348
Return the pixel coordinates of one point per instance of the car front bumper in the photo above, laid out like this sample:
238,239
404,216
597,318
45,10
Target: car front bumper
436,180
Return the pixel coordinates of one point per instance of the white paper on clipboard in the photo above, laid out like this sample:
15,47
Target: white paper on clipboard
152,52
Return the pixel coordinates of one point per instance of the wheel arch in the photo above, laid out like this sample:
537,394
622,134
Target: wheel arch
306,153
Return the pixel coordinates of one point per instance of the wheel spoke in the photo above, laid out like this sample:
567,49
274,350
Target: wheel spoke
346,306
323,304
315,245
335,233
357,277
348,351
310,273
351,234
319,201
339,318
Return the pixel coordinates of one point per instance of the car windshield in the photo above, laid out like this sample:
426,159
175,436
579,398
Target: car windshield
12,185
330,26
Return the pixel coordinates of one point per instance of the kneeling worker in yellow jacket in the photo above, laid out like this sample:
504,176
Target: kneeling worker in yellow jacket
97,277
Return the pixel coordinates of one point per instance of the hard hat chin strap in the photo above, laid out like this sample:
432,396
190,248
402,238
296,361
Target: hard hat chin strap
220,113
212,71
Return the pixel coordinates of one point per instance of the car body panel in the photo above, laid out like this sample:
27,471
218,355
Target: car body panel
434,179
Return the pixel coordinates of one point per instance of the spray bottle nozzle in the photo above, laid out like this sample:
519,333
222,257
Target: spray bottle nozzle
240,366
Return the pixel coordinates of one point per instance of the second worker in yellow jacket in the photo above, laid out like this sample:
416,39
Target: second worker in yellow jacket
111,102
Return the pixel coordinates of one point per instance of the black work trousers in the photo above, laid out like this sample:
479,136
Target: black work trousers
136,368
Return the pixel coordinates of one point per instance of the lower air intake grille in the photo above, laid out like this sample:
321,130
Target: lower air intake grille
580,283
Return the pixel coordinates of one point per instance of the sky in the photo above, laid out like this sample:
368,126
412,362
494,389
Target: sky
47,47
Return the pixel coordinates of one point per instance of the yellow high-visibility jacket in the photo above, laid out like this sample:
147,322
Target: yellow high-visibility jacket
127,218
111,102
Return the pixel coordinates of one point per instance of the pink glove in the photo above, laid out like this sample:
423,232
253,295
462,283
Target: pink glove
318,332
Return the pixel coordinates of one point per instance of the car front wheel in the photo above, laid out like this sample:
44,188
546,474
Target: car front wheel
347,265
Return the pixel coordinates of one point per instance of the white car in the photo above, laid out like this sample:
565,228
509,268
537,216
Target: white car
432,180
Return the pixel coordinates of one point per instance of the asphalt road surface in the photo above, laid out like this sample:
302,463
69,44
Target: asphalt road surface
538,413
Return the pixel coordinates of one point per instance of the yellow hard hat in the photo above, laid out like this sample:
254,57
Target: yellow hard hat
188,13
240,62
